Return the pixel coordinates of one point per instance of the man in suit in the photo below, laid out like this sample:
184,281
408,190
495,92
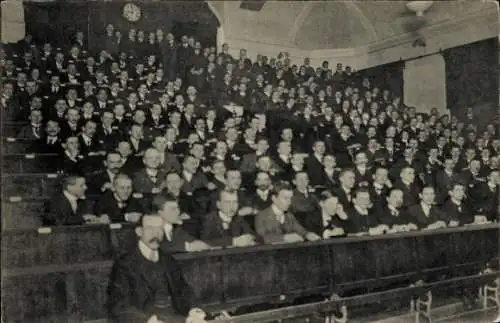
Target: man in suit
260,199
426,214
379,188
275,225
223,227
146,283
175,239
444,178
150,179
118,204
68,207
485,196
407,184
193,178
34,130
391,215
314,163
51,142
88,144
456,210
168,161
103,180
328,221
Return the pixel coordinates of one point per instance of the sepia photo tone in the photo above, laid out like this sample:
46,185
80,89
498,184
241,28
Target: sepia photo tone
250,161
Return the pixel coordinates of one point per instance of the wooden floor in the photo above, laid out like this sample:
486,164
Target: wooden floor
474,317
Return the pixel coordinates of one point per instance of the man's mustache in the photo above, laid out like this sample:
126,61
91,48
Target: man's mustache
154,240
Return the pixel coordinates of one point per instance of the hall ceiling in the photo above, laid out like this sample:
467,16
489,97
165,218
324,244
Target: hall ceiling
339,24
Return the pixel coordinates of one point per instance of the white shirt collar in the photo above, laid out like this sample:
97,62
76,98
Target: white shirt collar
226,220
148,253
393,209
151,172
361,211
188,176
168,229
70,196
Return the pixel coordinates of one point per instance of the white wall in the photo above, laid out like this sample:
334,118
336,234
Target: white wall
425,83
12,21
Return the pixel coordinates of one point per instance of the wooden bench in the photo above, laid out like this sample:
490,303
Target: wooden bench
12,145
30,163
72,267
26,185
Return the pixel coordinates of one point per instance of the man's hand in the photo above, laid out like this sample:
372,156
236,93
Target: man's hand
292,237
196,315
156,190
453,223
377,231
333,233
246,210
106,186
311,236
132,216
480,219
211,186
196,246
90,218
412,226
244,240
104,219
153,319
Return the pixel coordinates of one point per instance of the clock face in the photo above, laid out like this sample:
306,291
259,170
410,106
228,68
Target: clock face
131,12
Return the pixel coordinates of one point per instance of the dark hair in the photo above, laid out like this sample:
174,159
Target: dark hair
281,186
159,201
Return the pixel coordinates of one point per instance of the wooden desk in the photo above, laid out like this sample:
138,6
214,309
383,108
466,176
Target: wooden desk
75,277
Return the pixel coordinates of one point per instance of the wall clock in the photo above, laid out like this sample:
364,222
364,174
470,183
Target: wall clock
131,12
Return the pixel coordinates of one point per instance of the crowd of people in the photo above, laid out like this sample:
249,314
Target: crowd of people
202,149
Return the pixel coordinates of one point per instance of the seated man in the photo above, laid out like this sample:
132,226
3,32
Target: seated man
224,227
176,239
390,217
456,210
150,179
69,206
360,217
329,221
275,225
118,204
103,180
146,283
426,215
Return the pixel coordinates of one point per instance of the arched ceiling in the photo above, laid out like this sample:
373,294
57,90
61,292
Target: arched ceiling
312,25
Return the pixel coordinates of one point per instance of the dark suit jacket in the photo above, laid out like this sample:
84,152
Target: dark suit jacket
213,233
143,184
272,231
132,287
178,242
315,171
170,163
59,212
107,204
452,212
416,213
199,180
96,182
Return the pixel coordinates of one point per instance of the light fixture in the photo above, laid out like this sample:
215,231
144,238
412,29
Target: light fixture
419,7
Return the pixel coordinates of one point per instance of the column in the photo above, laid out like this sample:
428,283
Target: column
13,25
425,83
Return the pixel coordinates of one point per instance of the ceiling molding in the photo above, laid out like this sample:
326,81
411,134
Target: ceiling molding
485,15
299,21
354,9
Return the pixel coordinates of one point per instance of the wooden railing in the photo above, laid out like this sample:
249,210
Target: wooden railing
65,270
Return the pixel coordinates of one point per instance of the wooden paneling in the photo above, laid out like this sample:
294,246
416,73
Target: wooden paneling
71,265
